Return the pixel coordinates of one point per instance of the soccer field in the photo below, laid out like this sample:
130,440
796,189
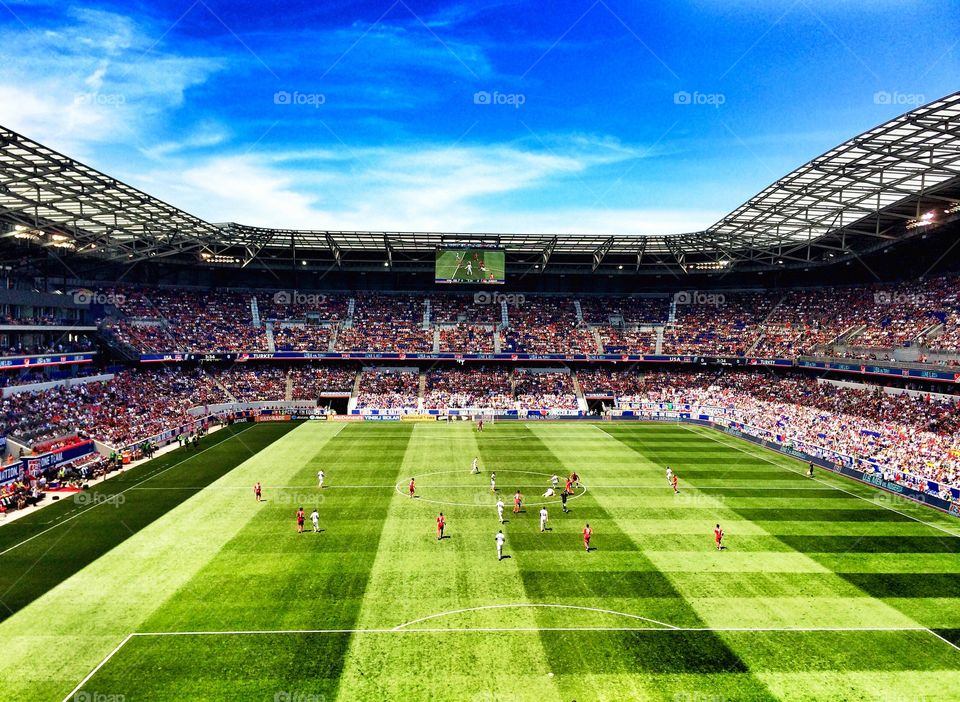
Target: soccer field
828,590
451,266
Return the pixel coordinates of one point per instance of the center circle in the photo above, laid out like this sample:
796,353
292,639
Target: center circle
480,482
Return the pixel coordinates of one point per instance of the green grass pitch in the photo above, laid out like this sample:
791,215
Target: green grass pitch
190,590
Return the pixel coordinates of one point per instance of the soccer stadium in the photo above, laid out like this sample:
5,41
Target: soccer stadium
686,457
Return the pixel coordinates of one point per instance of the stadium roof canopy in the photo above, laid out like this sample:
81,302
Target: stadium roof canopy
887,184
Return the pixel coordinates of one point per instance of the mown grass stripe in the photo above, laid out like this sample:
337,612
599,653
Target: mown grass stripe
270,577
45,548
636,578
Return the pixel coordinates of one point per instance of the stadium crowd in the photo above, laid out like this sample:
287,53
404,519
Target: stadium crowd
473,387
310,381
770,323
907,437
388,389
552,390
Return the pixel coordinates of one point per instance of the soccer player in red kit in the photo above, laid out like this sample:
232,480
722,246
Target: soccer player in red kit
300,520
587,533
673,482
718,537
413,487
569,488
257,491
517,501
441,522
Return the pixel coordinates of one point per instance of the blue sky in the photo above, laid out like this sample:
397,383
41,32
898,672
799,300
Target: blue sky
598,116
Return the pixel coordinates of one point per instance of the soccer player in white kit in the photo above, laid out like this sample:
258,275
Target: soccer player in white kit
500,539
543,519
549,493
469,268
500,509
476,465
315,518
493,482
320,477
554,481
669,475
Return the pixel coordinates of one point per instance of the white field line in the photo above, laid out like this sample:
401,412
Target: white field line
467,630
132,487
949,643
664,487
665,628
517,606
93,672
818,480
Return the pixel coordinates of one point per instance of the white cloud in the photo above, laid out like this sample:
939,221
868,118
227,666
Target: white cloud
407,189
96,78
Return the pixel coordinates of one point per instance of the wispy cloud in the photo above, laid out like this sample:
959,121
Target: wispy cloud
411,188
92,79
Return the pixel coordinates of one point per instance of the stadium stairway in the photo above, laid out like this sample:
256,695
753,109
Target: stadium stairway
579,311
421,387
931,332
581,400
756,342
352,402
596,334
288,392
255,311
849,334
271,344
216,381
658,349
351,307
436,338
426,315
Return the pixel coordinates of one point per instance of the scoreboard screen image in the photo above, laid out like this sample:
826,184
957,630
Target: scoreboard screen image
470,265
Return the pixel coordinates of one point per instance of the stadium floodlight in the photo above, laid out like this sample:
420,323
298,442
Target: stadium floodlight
922,221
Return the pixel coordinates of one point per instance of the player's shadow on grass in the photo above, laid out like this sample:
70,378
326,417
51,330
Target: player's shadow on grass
445,536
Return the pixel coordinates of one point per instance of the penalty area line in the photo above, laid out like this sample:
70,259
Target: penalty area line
93,672
532,629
